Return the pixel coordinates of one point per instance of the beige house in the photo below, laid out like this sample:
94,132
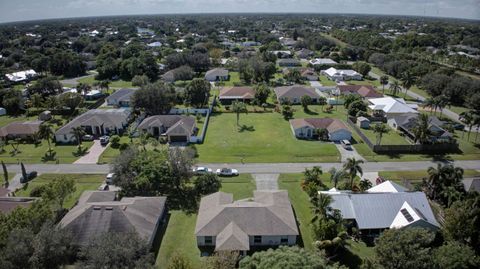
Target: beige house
176,128
294,93
305,128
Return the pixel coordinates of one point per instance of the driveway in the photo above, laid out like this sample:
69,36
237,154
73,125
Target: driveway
370,176
345,154
93,154
14,183
316,84
266,181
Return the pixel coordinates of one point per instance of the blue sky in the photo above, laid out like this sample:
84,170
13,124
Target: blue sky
19,10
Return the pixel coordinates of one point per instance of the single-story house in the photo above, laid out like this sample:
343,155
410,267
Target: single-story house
93,95
365,91
169,76
294,93
373,212
406,123
282,54
3,111
390,107
287,41
216,74
363,122
120,98
176,128
305,128
309,74
304,53
237,93
8,204
19,129
21,75
288,62
322,61
341,74
95,122
155,44
97,213
266,220
250,44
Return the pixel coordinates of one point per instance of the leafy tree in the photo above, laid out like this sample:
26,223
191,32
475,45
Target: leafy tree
11,100
287,111
349,99
239,107
116,250
156,98
384,81
380,129
52,247
222,260
395,87
197,92
305,101
36,100
322,134
357,107
178,261
440,180
46,86
58,190
322,101
405,248
454,255
262,91
140,80
284,257
362,68
71,100
206,184
353,167
293,76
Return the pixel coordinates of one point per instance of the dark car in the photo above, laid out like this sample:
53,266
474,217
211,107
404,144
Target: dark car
458,126
30,175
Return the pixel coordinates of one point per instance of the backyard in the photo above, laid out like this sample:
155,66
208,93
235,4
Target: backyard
113,84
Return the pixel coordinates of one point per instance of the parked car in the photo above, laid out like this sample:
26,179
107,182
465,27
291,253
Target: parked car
458,126
227,172
87,137
109,178
104,140
30,175
346,144
202,170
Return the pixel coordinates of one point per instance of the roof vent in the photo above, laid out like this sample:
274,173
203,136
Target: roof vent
97,208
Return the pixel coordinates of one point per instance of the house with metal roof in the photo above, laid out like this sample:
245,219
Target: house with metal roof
97,213
389,107
267,219
341,74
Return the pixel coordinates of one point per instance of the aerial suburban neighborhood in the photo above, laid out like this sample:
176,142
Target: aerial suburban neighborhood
249,141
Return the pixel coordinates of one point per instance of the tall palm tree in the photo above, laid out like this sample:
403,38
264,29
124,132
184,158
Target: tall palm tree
78,132
441,178
421,130
352,168
430,103
469,119
336,176
395,87
320,205
441,102
46,132
383,81
239,107
408,80
380,129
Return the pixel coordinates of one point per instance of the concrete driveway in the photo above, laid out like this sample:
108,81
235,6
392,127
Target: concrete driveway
266,181
316,84
345,154
93,154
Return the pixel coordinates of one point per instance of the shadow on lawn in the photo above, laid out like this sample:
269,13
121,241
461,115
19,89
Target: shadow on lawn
244,128
310,112
349,259
80,152
49,156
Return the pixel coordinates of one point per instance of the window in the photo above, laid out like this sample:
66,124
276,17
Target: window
257,239
208,240
284,240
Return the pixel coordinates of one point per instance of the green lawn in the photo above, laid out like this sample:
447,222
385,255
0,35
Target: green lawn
5,120
325,81
391,138
30,153
83,182
375,82
113,84
266,137
181,226
234,79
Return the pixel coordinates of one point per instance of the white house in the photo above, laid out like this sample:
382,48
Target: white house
341,74
21,75
321,61
390,107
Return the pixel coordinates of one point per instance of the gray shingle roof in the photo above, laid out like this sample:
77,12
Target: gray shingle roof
175,124
107,117
20,128
295,91
93,216
121,95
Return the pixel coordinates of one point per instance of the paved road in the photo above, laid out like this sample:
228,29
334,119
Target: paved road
266,181
253,168
93,154
74,81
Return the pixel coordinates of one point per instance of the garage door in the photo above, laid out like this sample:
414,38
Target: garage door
181,138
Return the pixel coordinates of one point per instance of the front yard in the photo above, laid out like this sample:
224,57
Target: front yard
262,137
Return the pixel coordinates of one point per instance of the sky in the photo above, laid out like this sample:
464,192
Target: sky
21,10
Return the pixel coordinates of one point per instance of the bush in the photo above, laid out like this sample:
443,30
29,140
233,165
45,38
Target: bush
123,146
163,140
115,141
37,191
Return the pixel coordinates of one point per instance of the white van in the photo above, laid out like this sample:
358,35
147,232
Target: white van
346,144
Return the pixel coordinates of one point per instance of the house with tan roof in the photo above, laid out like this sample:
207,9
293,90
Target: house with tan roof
294,93
306,128
19,129
237,93
267,219
176,128
97,213
364,91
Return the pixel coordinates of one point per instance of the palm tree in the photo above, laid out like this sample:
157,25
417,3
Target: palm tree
78,132
336,176
441,102
441,178
352,168
421,130
408,80
320,205
395,87
380,129
468,119
46,132
431,103
239,107
383,81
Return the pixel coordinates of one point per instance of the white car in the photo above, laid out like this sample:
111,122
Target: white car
109,178
227,172
202,170
346,144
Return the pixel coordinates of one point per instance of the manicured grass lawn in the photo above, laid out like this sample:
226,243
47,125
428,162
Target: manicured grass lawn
83,182
234,79
30,153
266,137
316,111
337,41
113,84
418,175
375,83
181,226
325,81
4,120
391,138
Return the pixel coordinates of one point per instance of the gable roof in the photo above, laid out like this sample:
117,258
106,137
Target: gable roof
340,72
121,95
268,213
90,218
367,91
471,184
218,72
408,122
330,124
387,186
322,61
295,91
106,117
391,105
378,210
175,124
8,204
237,92
20,128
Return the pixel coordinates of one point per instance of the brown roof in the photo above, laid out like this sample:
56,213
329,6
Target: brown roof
20,128
295,91
362,90
330,124
8,204
237,92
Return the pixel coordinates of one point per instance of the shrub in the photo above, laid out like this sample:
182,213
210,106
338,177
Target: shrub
115,141
123,146
37,191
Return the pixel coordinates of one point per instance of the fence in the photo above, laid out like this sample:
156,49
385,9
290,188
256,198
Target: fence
201,138
416,148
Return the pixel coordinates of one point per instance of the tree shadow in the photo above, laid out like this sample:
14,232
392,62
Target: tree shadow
348,258
185,200
310,112
80,152
244,128
49,156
